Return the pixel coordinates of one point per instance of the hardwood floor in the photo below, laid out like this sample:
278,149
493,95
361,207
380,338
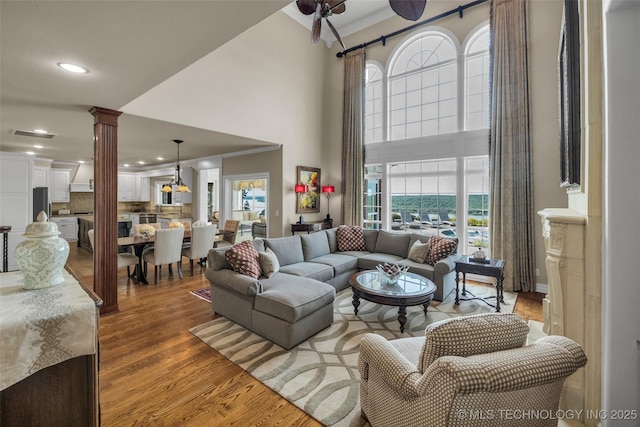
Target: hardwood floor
154,372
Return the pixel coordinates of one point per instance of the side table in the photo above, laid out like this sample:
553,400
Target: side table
311,226
493,268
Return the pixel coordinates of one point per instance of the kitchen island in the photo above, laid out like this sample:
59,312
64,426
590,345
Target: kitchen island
85,223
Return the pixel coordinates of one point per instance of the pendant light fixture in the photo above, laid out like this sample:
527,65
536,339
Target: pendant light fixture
177,179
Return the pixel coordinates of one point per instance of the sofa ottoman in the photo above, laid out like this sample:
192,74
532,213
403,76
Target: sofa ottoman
290,309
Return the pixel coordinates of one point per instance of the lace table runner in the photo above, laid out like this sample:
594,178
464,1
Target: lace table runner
42,327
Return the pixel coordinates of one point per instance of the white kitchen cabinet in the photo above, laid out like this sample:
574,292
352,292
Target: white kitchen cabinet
40,177
60,185
126,187
143,189
68,227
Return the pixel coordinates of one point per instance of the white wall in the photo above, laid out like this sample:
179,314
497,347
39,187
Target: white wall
621,293
266,84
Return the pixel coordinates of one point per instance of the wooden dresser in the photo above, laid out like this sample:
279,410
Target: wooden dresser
49,358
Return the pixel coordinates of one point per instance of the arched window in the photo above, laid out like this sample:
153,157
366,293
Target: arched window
423,87
373,107
477,80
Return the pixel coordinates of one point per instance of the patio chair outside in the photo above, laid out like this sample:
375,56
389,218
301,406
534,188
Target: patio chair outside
444,217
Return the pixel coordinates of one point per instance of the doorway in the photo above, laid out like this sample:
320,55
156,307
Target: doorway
246,201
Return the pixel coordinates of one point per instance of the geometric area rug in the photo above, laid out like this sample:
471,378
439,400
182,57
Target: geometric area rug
320,375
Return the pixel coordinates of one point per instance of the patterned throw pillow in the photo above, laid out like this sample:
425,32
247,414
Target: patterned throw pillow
419,251
243,258
350,238
440,248
268,262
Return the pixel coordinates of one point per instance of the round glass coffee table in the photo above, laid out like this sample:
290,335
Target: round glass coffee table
410,289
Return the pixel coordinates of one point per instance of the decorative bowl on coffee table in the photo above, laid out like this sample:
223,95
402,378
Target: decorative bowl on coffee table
391,272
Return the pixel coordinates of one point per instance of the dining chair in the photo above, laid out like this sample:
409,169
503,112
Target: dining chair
167,249
202,237
124,259
231,231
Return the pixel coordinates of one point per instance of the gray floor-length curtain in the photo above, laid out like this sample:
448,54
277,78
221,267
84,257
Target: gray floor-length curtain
511,207
353,138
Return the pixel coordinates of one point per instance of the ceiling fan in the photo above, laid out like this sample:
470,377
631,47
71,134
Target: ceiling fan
321,9
408,9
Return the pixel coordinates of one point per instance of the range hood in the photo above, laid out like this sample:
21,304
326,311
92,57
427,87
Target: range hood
81,187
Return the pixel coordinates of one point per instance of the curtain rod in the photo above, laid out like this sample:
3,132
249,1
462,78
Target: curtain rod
459,10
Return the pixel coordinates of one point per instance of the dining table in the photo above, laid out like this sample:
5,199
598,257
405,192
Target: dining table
139,244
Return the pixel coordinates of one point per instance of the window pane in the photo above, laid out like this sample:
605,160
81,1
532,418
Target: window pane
414,130
477,81
434,57
373,103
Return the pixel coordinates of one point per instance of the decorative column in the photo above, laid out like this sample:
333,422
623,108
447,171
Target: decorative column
564,306
105,207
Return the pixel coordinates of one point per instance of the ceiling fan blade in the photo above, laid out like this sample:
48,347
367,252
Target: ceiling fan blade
408,9
337,6
317,25
307,7
335,33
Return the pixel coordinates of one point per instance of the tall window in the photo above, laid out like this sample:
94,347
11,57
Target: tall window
373,108
477,81
436,182
423,87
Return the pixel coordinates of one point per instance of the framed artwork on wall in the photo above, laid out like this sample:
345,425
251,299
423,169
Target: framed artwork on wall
307,189
569,96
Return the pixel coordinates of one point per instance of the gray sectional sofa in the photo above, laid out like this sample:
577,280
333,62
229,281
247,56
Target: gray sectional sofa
297,301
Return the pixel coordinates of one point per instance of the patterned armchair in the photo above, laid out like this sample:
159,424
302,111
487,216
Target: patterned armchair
466,371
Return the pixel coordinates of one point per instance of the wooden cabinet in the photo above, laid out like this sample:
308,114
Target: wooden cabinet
40,177
60,185
84,226
60,394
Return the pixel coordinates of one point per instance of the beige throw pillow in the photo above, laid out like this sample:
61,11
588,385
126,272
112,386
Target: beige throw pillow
269,262
419,251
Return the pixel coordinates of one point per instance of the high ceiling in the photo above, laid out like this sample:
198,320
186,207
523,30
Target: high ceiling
129,48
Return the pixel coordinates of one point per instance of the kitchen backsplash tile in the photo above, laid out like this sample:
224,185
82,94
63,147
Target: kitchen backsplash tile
78,202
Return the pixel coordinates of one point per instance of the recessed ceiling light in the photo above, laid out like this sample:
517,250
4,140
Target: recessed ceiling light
31,153
80,161
126,165
72,68
40,131
160,158
140,162
37,146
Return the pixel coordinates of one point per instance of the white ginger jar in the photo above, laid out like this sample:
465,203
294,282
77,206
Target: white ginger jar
43,255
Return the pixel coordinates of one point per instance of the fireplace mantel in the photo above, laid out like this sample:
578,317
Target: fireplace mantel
564,306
